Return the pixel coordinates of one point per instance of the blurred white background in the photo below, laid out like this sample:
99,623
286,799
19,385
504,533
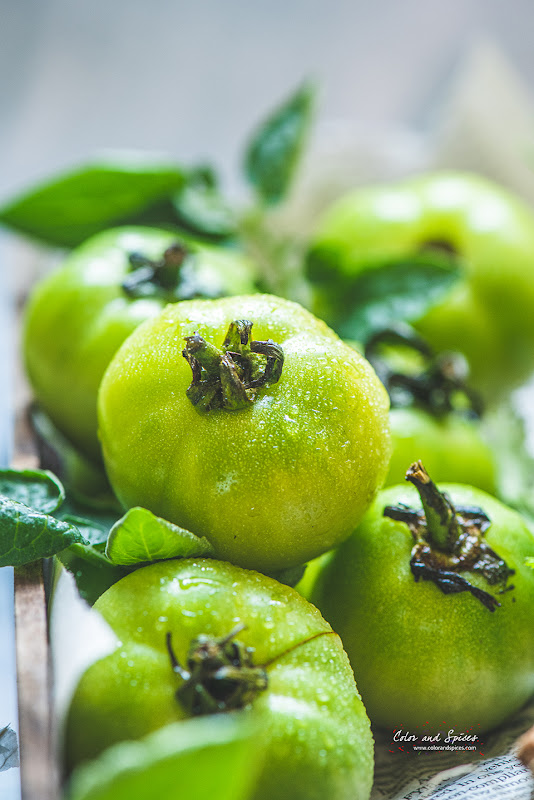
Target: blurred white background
191,77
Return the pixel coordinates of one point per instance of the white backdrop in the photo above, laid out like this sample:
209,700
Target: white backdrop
191,77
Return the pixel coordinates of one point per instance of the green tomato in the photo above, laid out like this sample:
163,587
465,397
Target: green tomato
271,447
451,447
177,659
434,416
80,314
485,314
438,627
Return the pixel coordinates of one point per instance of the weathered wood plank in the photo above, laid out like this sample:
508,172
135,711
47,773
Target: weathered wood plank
38,770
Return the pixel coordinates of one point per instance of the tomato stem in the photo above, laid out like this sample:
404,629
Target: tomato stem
219,676
231,377
441,521
449,541
439,386
157,277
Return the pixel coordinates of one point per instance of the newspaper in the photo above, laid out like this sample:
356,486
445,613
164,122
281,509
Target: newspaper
492,770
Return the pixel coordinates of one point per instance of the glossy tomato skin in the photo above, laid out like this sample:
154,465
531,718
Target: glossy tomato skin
487,314
317,733
451,447
79,315
271,485
420,657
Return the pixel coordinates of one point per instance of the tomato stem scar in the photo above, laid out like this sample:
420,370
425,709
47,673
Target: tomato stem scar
151,277
220,674
449,540
230,378
438,386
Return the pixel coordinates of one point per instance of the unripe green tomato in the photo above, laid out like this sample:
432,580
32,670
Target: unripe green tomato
422,657
487,313
296,677
272,484
81,313
451,447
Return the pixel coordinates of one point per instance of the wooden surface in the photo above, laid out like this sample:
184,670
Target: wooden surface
38,772
39,778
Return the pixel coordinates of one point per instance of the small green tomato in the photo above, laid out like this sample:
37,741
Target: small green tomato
474,226
434,603
80,314
204,637
435,417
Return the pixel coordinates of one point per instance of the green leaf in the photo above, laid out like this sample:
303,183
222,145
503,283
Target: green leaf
91,569
273,154
112,191
201,209
392,293
26,535
9,749
39,489
201,758
92,530
140,536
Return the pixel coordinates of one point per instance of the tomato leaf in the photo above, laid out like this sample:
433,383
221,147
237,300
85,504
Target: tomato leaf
273,153
381,296
140,536
202,758
201,209
68,209
26,535
94,531
39,489
9,749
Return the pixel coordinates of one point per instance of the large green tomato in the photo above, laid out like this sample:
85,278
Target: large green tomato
280,657
486,314
434,604
272,446
451,447
80,314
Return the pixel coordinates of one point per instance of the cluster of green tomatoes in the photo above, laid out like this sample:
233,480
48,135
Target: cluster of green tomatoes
259,426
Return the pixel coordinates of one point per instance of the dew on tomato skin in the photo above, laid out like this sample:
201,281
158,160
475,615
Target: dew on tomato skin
140,629
162,619
187,613
130,663
194,583
133,682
